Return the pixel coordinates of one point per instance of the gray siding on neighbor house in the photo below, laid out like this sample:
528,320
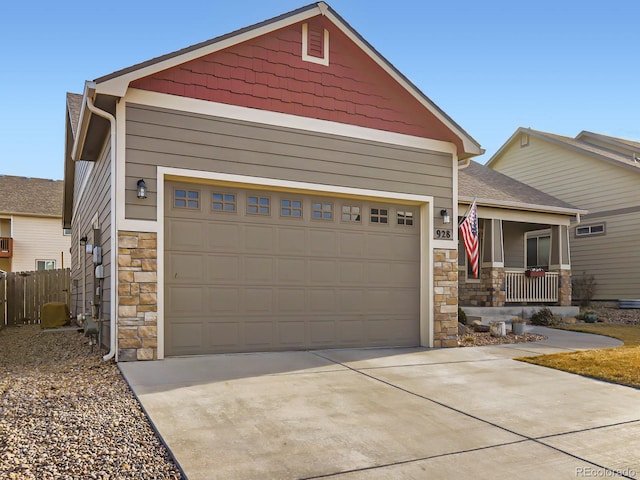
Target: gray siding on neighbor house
161,137
609,192
95,199
612,258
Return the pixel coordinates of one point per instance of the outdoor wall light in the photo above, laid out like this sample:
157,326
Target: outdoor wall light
446,218
142,189
83,240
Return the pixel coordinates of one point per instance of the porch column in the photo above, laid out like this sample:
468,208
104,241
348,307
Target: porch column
560,261
492,271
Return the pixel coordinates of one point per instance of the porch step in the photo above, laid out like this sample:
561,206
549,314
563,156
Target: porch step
504,314
486,320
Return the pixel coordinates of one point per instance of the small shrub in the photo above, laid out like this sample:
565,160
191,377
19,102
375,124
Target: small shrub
544,318
583,289
462,317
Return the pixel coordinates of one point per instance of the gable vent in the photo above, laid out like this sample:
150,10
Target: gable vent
315,44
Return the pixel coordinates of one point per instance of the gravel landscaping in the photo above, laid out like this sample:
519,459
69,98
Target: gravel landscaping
66,413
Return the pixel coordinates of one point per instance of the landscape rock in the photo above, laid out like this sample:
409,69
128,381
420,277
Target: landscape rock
66,413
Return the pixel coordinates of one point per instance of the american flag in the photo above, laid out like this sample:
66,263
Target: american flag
469,231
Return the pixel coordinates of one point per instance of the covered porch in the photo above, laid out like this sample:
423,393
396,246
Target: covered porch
524,243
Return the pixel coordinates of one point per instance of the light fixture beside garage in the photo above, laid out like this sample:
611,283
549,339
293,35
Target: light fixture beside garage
446,218
142,189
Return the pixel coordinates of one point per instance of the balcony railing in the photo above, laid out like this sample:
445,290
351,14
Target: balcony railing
6,247
523,288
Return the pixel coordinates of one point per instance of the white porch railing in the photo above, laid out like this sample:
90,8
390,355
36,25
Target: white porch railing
520,288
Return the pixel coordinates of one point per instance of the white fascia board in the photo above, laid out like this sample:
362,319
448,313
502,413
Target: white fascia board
523,206
83,123
469,145
523,216
117,86
205,107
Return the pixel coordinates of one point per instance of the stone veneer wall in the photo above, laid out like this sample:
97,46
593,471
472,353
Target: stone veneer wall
488,292
564,290
445,299
137,296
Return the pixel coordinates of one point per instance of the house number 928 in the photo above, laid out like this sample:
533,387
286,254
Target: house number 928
442,234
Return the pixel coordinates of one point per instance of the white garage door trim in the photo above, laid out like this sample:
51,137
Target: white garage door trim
426,226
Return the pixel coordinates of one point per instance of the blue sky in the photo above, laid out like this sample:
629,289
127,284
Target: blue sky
554,65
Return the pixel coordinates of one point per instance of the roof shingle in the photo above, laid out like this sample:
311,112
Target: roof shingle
74,105
485,183
30,196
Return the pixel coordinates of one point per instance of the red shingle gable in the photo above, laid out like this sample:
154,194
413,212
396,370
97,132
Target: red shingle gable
268,73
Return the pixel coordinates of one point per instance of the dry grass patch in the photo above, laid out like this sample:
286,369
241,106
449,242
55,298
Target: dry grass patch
618,365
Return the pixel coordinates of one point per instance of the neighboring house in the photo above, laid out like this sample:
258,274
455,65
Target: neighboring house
523,232
31,234
600,174
294,181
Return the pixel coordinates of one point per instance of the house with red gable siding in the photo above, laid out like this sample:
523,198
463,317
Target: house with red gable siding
280,187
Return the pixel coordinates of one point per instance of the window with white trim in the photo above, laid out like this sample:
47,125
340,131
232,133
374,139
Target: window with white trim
538,250
590,230
45,264
66,231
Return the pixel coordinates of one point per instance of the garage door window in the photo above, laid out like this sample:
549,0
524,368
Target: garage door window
291,208
405,218
223,202
258,205
322,211
186,199
351,213
379,215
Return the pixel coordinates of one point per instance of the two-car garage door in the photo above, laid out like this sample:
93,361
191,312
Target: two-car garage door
249,270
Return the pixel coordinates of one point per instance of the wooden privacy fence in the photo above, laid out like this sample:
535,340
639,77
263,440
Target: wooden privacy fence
27,292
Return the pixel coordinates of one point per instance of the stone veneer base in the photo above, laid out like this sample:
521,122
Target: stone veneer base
137,296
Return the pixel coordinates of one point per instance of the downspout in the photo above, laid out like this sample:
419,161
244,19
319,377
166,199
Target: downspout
114,230
467,162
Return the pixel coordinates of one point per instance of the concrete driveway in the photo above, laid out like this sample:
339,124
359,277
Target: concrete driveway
391,413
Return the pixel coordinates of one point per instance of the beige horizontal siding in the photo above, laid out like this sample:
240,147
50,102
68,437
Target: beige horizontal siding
38,238
191,141
574,177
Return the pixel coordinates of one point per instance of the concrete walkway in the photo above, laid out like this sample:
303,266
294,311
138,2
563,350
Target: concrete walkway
406,413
